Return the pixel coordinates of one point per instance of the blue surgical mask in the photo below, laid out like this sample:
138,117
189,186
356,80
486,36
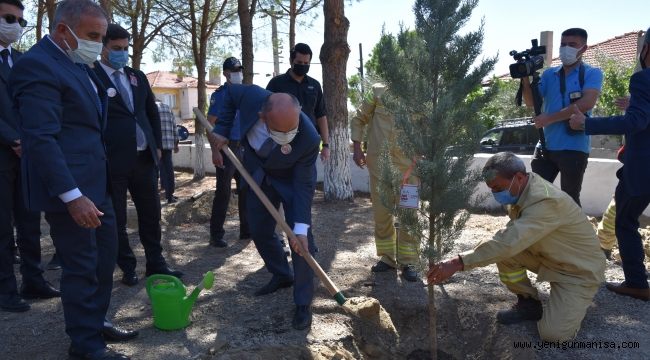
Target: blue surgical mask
118,58
505,197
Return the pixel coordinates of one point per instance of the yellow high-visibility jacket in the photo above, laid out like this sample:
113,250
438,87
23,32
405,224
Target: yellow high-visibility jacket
548,224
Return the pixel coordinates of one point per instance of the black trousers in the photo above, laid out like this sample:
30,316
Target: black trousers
14,213
628,210
167,181
142,184
87,261
571,166
222,195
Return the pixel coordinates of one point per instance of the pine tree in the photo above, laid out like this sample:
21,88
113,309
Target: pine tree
430,73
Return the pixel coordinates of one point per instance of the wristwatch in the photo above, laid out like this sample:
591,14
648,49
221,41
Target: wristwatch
326,145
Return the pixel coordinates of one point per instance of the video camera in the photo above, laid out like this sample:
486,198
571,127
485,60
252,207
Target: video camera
528,61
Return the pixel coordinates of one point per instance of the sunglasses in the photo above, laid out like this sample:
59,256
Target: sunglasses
10,19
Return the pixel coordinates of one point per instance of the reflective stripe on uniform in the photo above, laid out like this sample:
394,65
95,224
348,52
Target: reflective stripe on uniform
513,277
407,250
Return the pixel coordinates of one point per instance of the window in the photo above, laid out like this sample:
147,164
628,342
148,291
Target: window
169,99
492,138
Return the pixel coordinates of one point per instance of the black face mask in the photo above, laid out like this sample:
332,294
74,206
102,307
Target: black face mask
300,69
642,58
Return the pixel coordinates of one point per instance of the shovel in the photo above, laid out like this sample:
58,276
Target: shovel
329,284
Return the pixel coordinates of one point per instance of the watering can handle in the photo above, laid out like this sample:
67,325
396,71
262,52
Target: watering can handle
168,278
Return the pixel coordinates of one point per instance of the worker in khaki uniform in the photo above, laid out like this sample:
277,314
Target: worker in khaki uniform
606,230
395,249
548,234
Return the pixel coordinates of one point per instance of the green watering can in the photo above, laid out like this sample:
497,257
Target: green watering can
171,308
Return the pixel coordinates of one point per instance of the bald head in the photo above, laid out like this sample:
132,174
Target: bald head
281,112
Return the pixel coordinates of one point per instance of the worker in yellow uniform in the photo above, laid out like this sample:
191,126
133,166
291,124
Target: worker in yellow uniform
393,248
547,234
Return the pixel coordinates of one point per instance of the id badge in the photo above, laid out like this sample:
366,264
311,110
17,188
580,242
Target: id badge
409,197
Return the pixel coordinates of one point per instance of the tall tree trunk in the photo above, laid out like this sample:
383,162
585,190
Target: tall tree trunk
246,12
334,56
136,52
433,336
433,331
292,23
108,7
50,7
199,137
40,14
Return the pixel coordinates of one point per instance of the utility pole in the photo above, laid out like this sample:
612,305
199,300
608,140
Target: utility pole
361,66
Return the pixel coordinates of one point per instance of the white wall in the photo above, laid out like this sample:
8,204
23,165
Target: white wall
597,188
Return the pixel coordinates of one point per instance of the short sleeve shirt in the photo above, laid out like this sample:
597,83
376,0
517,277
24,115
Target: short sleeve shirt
308,92
216,102
557,136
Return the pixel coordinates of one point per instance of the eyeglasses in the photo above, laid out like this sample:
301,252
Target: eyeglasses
10,19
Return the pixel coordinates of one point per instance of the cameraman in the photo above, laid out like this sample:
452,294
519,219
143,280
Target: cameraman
567,150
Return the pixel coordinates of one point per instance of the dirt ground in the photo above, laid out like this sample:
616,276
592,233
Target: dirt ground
228,322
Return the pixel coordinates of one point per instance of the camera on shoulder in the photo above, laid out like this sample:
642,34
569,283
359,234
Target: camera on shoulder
527,61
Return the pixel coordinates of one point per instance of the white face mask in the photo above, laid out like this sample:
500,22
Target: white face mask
10,33
86,52
236,77
568,55
283,138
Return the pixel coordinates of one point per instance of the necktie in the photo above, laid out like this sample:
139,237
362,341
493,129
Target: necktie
266,148
140,139
123,92
5,68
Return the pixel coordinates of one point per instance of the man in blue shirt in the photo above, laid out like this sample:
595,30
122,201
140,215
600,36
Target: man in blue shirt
232,70
572,83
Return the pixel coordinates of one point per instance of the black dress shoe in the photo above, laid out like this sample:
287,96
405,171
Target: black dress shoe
220,243
44,290
129,279
274,285
13,303
112,333
381,266
103,354
54,263
302,317
172,199
166,270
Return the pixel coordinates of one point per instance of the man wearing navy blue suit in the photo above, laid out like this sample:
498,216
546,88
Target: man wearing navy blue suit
12,206
62,112
280,152
632,194
134,145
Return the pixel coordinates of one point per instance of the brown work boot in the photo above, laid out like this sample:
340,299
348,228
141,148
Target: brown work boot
526,309
623,289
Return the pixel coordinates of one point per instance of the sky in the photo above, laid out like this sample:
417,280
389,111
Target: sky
509,25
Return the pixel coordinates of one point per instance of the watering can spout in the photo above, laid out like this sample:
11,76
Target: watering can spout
206,283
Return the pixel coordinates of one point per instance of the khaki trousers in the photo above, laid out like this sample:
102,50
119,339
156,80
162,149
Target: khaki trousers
567,303
393,247
606,226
